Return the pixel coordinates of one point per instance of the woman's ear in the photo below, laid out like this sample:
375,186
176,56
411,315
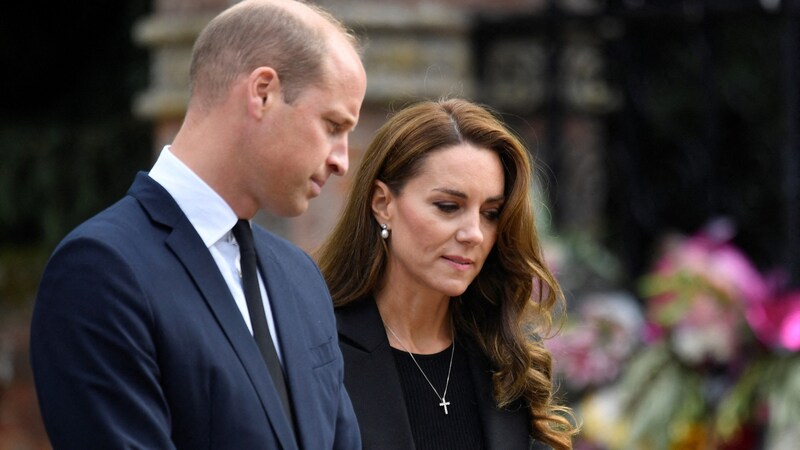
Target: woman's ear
263,86
381,202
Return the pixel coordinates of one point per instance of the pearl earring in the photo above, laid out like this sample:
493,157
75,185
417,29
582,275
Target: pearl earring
384,231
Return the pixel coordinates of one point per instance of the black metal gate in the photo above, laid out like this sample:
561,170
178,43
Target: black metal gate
702,119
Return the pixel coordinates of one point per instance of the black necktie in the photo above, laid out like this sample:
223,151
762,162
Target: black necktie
255,306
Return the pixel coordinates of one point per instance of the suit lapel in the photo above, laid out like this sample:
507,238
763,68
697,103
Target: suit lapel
297,365
371,378
190,250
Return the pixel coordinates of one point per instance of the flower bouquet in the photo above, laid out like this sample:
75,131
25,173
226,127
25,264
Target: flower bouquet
717,363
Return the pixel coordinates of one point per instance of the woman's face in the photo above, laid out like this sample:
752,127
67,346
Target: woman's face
444,222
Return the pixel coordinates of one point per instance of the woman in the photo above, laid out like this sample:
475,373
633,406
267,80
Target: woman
440,288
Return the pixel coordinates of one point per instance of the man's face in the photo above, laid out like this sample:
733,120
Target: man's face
308,137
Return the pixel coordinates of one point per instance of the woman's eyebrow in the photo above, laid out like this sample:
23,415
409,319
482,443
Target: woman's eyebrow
496,198
459,194
453,192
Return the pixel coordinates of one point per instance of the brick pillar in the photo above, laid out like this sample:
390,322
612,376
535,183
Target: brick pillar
169,33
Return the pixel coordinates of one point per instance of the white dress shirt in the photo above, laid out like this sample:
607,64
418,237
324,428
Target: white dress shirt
213,219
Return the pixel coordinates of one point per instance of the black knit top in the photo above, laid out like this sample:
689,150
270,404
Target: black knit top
432,429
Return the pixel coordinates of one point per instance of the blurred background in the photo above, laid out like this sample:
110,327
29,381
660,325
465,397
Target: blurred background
666,137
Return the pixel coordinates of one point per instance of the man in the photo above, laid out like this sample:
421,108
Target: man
143,332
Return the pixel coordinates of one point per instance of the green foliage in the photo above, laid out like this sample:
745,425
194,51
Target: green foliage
737,408
662,398
783,398
55,176
20,270
69,145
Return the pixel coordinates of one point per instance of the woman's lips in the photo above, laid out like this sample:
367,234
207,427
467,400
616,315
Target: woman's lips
458,262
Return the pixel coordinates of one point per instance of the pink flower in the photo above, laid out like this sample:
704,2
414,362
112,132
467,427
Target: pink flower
653,333
710,256
776,321
592,352
698,292
708,333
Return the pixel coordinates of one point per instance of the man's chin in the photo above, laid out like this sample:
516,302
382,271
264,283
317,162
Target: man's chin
289,210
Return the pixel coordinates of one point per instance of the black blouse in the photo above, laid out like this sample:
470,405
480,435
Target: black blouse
432,429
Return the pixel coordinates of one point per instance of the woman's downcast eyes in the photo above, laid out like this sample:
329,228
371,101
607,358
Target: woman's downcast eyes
492,214
450,207
446,207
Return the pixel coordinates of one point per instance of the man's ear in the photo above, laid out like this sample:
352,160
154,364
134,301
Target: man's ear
382,202
263,88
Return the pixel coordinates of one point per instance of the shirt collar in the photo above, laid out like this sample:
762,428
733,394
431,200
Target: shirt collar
210,215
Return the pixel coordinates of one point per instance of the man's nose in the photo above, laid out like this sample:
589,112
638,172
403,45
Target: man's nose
338,160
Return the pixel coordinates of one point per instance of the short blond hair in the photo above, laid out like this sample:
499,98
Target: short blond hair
256,33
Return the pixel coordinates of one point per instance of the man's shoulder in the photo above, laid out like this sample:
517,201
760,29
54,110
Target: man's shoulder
120,217
122,225
279,245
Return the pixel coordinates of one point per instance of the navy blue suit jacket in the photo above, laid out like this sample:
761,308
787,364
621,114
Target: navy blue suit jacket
136,341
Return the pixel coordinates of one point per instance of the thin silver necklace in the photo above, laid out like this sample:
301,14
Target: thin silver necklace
444,403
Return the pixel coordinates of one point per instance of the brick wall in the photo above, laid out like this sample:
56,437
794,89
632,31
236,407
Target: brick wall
20,423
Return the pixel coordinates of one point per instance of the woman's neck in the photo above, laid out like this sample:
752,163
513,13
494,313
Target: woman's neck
420,322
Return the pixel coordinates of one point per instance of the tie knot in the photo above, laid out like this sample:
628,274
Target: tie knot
244,235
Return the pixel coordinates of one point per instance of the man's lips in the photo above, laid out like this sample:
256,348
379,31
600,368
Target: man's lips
319,183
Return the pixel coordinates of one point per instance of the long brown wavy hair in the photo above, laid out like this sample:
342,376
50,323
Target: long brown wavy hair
510,302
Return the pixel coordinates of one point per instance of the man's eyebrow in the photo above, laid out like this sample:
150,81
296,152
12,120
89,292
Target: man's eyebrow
349,122
344,119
